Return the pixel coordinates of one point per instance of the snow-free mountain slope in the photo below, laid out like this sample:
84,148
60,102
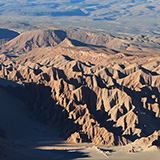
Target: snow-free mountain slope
86,90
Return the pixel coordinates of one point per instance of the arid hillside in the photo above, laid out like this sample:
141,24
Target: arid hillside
80,40
90,90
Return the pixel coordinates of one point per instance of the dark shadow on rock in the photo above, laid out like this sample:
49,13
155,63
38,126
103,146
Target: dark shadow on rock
82,44
108,150
145,116
38,99
7,34
67,58
90,98
157,142
148,71
61,34
58,74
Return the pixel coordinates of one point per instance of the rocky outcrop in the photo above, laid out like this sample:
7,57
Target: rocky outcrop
146,143
89,93
86,102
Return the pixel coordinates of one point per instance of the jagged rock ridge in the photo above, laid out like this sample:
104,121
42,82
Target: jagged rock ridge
94,103
112,103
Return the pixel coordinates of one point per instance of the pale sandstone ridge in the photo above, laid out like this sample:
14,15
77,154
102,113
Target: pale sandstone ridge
89,93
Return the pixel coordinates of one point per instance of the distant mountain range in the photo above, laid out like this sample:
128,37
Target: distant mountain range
131,16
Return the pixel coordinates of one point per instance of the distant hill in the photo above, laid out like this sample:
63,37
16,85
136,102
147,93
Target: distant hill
33,39
140,45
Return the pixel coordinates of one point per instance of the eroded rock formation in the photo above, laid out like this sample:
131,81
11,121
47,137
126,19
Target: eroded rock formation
113,103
